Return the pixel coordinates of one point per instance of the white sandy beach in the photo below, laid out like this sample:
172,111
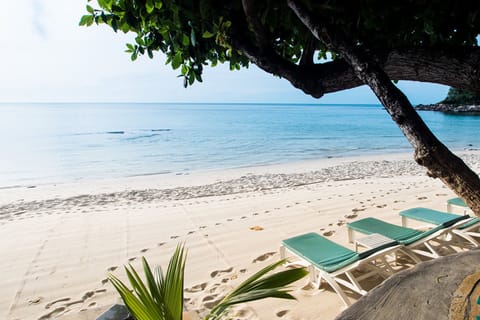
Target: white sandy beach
58,242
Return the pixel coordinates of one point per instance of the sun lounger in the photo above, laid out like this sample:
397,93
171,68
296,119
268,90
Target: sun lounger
457,202
466,230
411,238
427,215
335,264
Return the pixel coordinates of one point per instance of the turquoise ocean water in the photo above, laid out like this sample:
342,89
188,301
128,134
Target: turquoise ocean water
49,143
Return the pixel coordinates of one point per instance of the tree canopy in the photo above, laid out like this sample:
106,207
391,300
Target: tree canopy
456,96
410,39
321,47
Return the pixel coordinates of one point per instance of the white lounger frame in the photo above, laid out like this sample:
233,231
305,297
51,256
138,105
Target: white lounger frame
334,279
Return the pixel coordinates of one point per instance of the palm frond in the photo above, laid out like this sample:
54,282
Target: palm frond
259,287
159,297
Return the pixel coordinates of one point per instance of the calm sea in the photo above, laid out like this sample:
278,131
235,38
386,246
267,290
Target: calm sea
45,143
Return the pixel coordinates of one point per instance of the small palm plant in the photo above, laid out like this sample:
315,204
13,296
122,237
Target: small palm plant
161,297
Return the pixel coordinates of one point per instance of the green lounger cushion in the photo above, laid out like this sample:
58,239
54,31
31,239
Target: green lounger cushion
403,235
372,225
321,252
326,254
429,215
469,223
457,202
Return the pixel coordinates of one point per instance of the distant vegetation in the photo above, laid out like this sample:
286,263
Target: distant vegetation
461,97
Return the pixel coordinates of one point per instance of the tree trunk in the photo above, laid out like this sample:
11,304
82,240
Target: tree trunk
429,151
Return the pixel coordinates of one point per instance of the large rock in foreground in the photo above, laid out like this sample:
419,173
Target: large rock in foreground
441,289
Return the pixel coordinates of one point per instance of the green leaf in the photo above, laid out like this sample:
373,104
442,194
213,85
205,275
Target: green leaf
89,9
150,6
177,60
158,4
207,35
193,38
185,40
86,20
260,286
185,69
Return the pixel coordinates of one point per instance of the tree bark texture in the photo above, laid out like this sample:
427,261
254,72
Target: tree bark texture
429,151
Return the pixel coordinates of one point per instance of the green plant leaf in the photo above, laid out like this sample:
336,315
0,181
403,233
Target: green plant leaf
150,6
86,20
259,287
207,34
185,40
177,60
193,38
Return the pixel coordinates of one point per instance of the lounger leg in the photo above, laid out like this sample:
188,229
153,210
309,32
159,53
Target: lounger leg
335,287
466,237
449,208
404,221
412,255
282,252
351,236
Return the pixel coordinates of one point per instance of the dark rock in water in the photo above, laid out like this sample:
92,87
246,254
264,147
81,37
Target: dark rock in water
115,132
116,312
160,130
451,108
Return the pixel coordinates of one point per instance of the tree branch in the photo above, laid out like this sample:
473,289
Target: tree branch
261,35
429,151
307,54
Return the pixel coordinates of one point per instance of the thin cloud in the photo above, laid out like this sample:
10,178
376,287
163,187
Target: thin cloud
37,19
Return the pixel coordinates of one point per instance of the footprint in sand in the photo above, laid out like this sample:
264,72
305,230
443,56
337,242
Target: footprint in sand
341,223
53,314
87,295
210,301
35,300
197,288
243,270
160,244
112,268
329,233
217,272
191,232
281,313
74,303
132,259
48,305
104,281
256,228
422,198
351,216
264,257
144,250
173,237
244,314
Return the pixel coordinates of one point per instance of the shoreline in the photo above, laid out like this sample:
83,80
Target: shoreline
60,241
244,179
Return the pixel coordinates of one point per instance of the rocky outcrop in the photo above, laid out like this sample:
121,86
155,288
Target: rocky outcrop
450,108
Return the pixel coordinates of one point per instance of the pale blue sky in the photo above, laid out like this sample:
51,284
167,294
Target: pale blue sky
47,57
